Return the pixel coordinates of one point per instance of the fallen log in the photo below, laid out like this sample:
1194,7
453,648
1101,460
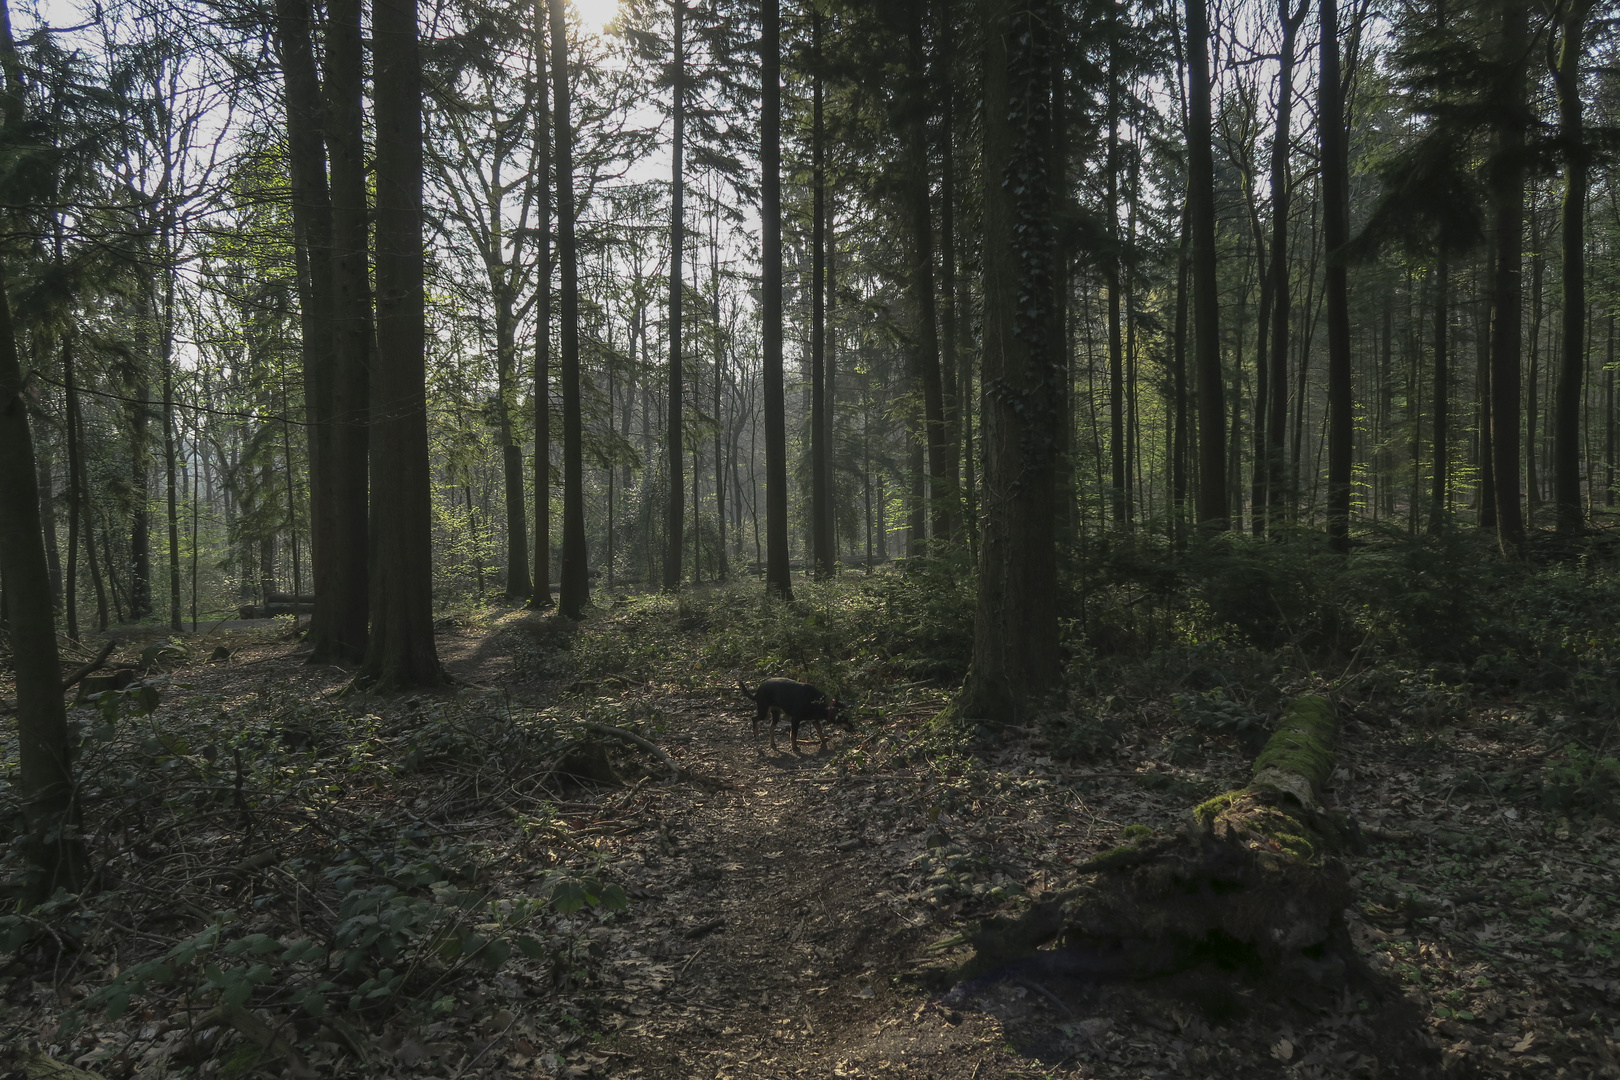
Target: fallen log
270,611
84,669
1254,878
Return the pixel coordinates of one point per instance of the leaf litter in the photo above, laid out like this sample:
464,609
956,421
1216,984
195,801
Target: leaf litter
466,885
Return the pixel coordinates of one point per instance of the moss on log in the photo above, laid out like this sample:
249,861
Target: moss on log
1256,870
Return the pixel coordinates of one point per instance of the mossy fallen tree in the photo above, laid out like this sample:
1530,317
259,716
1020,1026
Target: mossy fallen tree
1254,877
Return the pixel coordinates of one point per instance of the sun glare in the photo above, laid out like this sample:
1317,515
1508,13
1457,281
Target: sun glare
594,15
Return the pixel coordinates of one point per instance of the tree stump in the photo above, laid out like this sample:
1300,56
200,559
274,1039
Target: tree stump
1254,879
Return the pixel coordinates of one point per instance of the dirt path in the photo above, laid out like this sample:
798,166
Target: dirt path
764,940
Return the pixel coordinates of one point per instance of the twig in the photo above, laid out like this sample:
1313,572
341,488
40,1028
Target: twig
487,1046
85,669
636,740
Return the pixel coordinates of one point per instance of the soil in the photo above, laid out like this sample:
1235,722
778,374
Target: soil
787,904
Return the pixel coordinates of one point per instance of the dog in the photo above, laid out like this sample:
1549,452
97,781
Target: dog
798,702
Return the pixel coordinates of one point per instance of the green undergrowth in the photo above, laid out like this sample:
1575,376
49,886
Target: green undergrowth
310,860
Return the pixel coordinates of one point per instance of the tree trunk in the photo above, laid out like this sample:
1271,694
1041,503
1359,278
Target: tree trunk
1506,186
401,651
1335,232
170,462
1211,388
1442,389
1572,364
1112,272
574,589
47,515
75,467
820,494
140,535
777,580
942,466
542,323
674,522
312,235
44,777
343,605
1015,646
1279,478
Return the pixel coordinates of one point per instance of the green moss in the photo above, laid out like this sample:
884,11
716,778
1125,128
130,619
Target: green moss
1206,812
1302,745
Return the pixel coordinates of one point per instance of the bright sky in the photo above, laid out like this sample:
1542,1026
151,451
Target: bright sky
595,14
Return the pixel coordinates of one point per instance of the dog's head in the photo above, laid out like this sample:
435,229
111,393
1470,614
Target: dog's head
838,712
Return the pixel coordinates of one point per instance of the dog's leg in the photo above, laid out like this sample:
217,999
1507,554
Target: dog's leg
773,727
822,732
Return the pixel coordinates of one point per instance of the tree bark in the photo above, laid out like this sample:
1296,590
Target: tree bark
674,521
574,591
45,777
1572,362
942,466
777,579
1279,478
542,323
312,233
1211,388
820,494
401,651
1335,232
1442,389
1015,641
343,604
1506,184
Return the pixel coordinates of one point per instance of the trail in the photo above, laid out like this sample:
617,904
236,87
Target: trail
763,941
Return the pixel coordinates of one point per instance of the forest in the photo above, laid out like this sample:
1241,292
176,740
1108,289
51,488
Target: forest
1162,455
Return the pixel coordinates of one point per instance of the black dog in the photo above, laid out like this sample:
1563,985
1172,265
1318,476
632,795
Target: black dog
798,702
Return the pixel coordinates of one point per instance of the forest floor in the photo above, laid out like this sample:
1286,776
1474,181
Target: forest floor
781,902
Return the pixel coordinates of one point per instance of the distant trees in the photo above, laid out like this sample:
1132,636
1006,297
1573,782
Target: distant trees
217,392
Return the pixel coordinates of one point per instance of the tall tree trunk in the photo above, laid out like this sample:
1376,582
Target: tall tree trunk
344,603
1178,387
777,580
1015,640
722,570
820,507
171,463
575,585
401,650
1609,419
1279,478
1486,458
53,843
1572,363
1506,186
942,467
45,777
674,523
140,525
1112,272
1335,232
312,234
87,514
1442,389
1211,388
47,516
542,323
75,453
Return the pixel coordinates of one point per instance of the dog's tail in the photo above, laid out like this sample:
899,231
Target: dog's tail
747,693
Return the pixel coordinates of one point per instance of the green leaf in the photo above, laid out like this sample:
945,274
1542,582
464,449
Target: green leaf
568,896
